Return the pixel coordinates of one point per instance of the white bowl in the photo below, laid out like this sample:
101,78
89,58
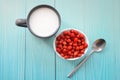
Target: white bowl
86,40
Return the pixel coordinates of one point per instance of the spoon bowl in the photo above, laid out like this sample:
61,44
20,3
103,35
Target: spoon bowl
98,45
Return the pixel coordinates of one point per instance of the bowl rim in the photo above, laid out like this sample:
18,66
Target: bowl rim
71,59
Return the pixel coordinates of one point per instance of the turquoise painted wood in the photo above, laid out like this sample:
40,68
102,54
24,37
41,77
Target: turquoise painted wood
12,40
26,57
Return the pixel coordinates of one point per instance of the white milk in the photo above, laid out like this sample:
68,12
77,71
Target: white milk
44,22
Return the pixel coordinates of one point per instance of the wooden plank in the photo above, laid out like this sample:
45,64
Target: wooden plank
12,40
116,38
40,57
98,19
72,14
100,23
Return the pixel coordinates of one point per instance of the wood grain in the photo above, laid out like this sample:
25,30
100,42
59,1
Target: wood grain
12,40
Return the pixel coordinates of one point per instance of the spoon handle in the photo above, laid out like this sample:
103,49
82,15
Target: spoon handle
77,67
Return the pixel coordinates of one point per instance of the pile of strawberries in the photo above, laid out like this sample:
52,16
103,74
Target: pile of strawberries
71,44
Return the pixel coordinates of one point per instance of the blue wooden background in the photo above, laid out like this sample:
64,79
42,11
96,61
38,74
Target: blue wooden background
26,57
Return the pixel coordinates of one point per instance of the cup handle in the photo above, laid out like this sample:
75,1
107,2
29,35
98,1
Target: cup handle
21,22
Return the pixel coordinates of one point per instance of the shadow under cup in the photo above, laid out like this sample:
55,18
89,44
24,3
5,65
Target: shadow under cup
42,21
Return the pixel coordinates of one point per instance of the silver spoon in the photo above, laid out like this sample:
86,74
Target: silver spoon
97,46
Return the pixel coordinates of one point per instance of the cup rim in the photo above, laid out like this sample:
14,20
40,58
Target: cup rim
43,6
71,59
